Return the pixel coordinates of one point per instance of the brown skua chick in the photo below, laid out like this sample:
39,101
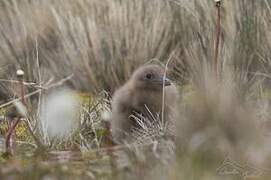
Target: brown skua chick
143,94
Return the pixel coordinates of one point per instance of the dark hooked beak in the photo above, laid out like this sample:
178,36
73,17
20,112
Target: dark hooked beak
166,81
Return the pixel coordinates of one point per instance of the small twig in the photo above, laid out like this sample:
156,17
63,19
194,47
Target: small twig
20,76
18,99
163,93
59,83
218,34
39,75
39,144
15,81
149,112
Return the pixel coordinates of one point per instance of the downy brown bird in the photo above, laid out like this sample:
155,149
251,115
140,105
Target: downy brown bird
142,95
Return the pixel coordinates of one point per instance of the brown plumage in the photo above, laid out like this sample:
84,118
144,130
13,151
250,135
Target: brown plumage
143,89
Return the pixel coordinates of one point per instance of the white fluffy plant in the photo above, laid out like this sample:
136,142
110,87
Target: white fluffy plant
59,114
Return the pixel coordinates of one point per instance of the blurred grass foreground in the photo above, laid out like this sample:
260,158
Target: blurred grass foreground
76,53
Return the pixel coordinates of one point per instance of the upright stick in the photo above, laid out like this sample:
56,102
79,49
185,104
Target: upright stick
15,117
218,34
20,76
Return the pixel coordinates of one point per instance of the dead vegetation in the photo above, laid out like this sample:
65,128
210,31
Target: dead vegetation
95,45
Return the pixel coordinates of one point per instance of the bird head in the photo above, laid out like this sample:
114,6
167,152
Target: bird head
150,77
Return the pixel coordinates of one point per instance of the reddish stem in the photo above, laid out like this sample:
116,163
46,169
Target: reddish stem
15,121
218,33
22,90
9,139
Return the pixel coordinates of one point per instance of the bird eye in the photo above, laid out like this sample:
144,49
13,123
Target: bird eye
148,76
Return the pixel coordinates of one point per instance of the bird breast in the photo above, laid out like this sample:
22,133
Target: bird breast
148,99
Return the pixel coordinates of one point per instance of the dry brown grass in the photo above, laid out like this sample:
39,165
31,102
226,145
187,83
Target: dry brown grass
101,42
